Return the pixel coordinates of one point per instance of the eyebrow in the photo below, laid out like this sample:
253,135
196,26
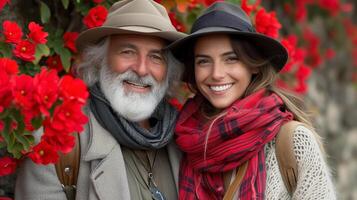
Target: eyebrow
128,45
229,53
223,54
159,51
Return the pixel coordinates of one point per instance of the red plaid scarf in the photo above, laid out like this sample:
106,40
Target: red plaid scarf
236,137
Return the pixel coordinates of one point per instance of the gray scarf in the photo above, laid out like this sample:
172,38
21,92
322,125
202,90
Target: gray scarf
129,133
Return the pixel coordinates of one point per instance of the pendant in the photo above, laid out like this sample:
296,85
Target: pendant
155,192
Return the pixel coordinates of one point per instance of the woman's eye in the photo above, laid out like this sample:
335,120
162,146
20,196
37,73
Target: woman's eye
202,62
232,59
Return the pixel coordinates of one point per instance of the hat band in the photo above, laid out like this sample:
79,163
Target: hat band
221,19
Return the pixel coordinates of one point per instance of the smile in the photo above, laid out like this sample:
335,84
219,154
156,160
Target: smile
220,88
136,84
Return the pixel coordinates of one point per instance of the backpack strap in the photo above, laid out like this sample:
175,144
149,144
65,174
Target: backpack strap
67,169
233,187
284,150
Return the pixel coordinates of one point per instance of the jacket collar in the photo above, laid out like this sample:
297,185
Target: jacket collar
101,142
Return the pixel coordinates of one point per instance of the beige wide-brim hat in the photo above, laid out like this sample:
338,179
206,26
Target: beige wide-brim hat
140,17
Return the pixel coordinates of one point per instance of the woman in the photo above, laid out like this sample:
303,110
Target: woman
228,130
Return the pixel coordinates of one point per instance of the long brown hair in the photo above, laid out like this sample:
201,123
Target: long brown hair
265,78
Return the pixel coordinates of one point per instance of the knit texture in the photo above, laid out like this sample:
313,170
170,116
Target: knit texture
314,179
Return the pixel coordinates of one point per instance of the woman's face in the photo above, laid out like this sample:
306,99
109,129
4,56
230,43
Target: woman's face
220,76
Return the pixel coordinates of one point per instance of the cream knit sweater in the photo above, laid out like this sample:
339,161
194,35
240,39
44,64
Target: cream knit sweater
314,179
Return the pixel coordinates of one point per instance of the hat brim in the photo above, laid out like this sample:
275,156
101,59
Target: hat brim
92,36
268,47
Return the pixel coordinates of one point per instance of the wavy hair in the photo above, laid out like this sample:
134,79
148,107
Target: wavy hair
265,78
89,68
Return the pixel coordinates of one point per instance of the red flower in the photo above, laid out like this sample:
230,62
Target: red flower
1,128
12,32
301,87
37,35
330,53
5,198
54,62
97,1
313,43
73,89
296,55
249,8
9,66
177,24
266,23
5,90
7,166
175,103
95,17
69,117
332,6
23,91
303,73
43,153
69,40
25,50
3,3
63,142
28,116
46,89
208,2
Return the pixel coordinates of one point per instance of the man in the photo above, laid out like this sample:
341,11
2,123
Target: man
125,150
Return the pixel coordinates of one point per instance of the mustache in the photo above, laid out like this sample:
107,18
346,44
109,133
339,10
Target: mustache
131,76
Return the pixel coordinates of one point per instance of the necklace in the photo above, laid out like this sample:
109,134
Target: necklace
152,186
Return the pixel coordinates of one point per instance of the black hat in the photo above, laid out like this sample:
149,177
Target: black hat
223,17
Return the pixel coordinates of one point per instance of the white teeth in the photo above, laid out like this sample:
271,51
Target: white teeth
219,88
137,84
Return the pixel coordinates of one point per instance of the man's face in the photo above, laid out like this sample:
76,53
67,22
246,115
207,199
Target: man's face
133,77
140,54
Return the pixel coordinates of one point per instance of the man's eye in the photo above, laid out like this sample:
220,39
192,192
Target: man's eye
127,52
157,58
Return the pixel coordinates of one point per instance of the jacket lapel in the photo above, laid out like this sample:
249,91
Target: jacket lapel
175,156
108,173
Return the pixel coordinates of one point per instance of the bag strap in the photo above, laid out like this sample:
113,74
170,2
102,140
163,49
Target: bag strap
232,189
67,169
284,150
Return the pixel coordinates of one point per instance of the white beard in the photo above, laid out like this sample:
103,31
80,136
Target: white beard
131,105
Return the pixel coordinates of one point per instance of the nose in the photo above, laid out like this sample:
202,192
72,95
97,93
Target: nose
141,67
218,72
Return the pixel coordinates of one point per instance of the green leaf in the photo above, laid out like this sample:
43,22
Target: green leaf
36,122
41,50
65,3
24,141
82,8
6,131
30,69
65,55
5,49
238,2
45,12
2,145
16,151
